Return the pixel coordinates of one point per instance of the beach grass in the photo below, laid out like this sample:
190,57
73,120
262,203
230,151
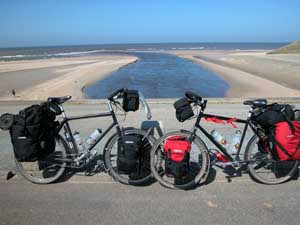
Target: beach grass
294,47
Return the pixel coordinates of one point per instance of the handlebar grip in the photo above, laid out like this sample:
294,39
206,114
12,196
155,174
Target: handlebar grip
111,97
193,96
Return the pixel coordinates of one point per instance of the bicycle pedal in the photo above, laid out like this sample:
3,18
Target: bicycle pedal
98,168
101,166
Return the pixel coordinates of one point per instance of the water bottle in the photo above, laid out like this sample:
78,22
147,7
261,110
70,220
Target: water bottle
218,155
93,137
218,137
79,142
235,142
68,139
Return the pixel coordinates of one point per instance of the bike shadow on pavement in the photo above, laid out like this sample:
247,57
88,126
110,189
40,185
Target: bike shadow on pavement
232,172
95,168
91,169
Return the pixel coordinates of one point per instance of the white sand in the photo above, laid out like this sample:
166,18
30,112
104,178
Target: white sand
68,81
252,73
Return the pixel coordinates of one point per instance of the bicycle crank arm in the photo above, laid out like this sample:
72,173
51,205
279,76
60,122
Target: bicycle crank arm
232,163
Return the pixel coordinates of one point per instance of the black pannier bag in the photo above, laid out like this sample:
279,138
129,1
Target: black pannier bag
131,100
184,110
128,160
272,114
25,147
33,133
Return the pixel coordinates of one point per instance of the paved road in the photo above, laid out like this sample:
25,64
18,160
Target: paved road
239,202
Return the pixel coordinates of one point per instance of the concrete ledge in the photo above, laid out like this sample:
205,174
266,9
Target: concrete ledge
155,101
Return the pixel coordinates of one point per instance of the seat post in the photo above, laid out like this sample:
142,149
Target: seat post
62,110
250,112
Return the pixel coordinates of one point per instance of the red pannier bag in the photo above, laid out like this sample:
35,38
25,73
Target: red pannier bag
287,141
177,151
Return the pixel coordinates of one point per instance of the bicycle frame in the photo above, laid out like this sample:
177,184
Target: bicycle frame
217,144
64,123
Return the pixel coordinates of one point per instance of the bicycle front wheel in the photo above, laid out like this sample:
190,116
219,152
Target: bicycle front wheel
198,164
143,175
264,169
46,170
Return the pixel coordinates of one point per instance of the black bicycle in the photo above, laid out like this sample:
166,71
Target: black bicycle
68,155
259,161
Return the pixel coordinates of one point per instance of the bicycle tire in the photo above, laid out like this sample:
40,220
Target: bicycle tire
281,171
204,164
112,169
29,174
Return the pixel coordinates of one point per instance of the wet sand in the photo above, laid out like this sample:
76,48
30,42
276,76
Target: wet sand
252,73
38,79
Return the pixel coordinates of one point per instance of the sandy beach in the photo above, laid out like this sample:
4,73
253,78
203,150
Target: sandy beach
249,73
38,79
252,73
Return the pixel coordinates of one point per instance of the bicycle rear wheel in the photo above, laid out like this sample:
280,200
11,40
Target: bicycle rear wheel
46,170
266,170
140,177
199,163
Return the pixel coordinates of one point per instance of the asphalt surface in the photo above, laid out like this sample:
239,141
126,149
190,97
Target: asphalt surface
100,200
239,202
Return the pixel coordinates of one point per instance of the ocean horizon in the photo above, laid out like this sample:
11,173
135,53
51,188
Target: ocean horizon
43,52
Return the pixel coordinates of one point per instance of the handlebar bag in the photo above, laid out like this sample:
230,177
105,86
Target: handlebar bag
129,147
184,110
177,154
286,142
130,100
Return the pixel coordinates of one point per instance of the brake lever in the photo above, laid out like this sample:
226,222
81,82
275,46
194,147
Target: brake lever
202,105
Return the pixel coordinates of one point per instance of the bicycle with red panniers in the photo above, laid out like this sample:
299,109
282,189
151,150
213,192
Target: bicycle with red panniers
181,159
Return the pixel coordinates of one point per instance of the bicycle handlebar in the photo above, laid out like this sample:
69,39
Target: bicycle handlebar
111,97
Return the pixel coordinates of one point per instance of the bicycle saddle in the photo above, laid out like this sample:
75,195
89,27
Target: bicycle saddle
256,102
59,100
193,96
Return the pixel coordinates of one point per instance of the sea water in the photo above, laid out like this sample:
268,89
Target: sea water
160,75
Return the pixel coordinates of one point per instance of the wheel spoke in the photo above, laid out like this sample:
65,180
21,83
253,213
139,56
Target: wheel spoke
267,170
143,172
48,169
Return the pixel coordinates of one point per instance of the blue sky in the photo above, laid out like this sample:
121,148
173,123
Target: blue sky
43,22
